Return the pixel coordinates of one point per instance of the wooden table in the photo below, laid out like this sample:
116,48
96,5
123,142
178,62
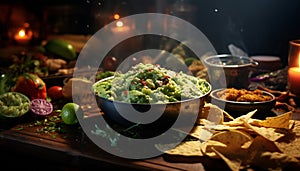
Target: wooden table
23,147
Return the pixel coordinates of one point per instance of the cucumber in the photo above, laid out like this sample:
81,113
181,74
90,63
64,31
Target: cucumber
61,48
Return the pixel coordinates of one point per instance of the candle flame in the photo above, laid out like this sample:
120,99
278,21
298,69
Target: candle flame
299,60
119,24
116,16
21,33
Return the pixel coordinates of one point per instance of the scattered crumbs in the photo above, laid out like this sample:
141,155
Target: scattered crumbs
20,128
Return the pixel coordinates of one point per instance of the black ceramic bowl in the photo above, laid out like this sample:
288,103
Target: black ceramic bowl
152,116
239,108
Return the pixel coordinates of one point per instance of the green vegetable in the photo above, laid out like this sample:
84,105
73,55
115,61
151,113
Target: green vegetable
188,61
52,125
147,83
105,74
3,84
13,104
61,48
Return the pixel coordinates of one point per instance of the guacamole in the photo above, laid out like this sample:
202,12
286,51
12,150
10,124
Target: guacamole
148,83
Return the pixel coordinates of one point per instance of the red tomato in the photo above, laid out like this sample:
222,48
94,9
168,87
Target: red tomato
31,85
55,92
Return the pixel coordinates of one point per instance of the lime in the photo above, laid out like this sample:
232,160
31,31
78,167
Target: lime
41,107
68,113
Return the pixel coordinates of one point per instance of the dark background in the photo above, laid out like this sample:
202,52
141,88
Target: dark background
259,27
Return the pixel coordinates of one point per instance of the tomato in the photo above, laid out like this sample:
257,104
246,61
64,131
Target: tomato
31,85
55,92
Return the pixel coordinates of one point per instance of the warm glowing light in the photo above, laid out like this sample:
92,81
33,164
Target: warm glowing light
119,24
120,28
294,77
22,36
116,16
21,33
299,60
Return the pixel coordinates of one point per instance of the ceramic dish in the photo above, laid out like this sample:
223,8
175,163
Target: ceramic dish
239,108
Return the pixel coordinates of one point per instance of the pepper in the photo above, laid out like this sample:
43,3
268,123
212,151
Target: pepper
31,85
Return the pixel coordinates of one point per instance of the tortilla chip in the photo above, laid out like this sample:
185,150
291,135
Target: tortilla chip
211,113
271,134
257,148
290,144
228,142
227,116
270,144
186,148
280,121
234,139
260,143
275,161
226,127
165,147
201,133
202,121
206,148
233,162
246,116
239,121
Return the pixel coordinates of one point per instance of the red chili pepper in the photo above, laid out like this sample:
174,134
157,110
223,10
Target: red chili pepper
31,85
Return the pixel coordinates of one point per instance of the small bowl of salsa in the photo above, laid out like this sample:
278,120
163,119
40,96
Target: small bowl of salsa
241,101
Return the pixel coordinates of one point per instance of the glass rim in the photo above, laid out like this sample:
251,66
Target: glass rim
295,42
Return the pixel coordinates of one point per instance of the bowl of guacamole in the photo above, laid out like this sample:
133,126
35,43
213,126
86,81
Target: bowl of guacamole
147,90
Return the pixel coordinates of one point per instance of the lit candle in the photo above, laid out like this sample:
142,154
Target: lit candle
120,28
116,16
294,78
23,36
